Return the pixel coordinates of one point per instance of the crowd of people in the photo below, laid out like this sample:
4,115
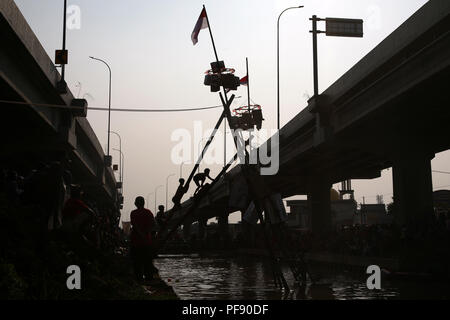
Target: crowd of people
60,206
378,240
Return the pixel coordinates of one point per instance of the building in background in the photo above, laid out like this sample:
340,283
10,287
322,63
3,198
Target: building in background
371,214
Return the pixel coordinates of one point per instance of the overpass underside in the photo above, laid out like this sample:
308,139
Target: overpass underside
33,134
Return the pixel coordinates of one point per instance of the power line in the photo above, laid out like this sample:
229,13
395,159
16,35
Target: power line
445,172
182,109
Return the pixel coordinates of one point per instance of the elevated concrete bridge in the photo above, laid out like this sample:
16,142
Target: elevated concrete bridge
34,133
392,109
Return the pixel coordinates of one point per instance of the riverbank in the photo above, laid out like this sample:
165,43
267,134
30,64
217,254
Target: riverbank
34,263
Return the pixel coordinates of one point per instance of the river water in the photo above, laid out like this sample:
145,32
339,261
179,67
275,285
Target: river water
250,278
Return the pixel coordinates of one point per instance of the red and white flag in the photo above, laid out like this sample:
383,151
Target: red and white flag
202,23
244,81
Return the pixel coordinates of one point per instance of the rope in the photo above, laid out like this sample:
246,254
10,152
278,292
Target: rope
184,109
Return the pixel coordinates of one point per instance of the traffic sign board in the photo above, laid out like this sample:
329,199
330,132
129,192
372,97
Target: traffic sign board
339,27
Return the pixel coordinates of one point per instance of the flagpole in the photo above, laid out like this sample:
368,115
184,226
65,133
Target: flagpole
224,91
210,33
248,86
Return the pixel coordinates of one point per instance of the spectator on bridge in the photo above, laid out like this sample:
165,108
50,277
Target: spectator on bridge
181,190
200,178
142,222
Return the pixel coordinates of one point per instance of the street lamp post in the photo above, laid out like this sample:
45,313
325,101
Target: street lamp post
181,169
63,67
167,186
278,64
62,85
109,105
148,197
123,165
120,159
156,192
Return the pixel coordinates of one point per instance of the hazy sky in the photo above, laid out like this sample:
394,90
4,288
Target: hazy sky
154,65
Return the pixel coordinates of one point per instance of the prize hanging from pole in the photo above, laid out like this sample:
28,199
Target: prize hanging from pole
250,116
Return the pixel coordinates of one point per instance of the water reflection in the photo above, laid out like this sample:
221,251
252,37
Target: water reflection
215,277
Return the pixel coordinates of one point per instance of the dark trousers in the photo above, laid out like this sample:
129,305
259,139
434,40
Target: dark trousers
143,262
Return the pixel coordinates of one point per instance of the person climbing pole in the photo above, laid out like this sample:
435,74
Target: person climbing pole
181,190
200,179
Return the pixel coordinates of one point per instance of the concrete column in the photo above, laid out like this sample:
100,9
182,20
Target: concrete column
223,228
201,228
187,231
413,188
319,201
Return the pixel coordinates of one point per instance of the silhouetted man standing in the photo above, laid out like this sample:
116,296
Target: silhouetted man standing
142,222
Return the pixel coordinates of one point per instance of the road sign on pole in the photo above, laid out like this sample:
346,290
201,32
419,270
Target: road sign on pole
338,27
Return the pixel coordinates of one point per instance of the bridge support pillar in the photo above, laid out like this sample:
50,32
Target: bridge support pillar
187,231
319,202
223,228
201,229
413,189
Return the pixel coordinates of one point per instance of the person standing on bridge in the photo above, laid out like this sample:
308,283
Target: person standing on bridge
143,223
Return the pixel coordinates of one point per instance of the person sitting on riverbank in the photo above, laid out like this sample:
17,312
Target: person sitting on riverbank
76,214
141,251
78,221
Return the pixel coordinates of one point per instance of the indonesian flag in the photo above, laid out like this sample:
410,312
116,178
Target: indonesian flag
202,23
